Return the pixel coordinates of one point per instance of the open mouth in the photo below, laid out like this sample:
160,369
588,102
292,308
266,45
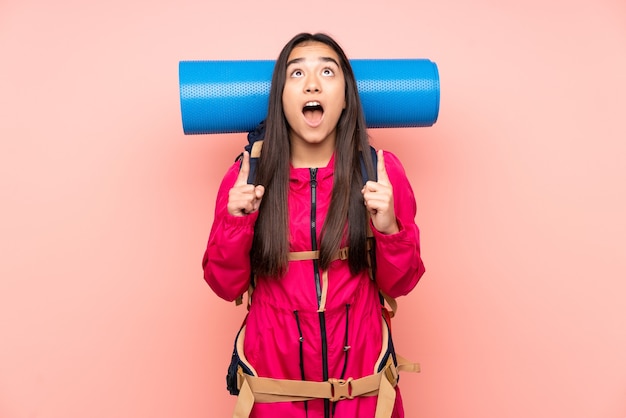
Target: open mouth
313,113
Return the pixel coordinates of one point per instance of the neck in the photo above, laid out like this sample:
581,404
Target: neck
306,155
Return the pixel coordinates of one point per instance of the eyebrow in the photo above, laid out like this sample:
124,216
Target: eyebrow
322,59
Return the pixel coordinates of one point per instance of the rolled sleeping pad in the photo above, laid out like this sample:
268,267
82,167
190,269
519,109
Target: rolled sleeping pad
232,96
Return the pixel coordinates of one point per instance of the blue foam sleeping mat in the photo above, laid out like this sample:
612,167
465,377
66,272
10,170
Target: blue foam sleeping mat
232,96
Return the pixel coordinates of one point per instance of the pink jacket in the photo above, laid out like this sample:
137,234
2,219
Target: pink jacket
286,336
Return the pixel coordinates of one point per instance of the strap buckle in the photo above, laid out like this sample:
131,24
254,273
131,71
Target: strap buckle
391,372
340,389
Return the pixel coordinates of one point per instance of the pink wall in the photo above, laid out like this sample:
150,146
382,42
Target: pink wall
106,205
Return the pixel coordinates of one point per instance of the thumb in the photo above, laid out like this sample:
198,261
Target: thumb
259,191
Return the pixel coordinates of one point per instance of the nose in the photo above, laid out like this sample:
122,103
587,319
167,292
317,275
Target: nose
312,85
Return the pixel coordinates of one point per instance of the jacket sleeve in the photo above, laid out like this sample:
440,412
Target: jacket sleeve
226,261
399,264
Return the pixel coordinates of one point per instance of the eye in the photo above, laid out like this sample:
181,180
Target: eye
328,72
297,73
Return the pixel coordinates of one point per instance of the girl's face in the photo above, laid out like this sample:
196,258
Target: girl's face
314,94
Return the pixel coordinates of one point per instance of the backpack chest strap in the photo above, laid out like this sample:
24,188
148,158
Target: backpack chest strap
342,254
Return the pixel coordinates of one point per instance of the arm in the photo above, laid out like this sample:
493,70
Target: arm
399,264
226,261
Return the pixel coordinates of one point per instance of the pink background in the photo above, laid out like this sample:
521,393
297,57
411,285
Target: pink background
106,205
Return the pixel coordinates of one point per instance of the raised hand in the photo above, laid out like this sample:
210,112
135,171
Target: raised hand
244,198
378,198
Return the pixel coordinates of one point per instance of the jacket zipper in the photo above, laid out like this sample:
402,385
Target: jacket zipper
318,284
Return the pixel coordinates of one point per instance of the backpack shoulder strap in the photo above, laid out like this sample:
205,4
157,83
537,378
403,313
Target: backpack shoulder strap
255,153
374,162
384,298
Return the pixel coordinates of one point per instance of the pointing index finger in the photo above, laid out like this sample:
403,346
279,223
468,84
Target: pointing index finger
380,168
244,170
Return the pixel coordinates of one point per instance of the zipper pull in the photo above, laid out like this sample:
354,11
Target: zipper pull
313,176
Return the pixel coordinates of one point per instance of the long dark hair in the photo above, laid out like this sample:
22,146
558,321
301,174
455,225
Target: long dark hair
270,247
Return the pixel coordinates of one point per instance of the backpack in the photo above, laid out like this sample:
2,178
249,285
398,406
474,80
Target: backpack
243,381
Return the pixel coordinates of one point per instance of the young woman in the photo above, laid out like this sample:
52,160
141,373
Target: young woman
301,231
